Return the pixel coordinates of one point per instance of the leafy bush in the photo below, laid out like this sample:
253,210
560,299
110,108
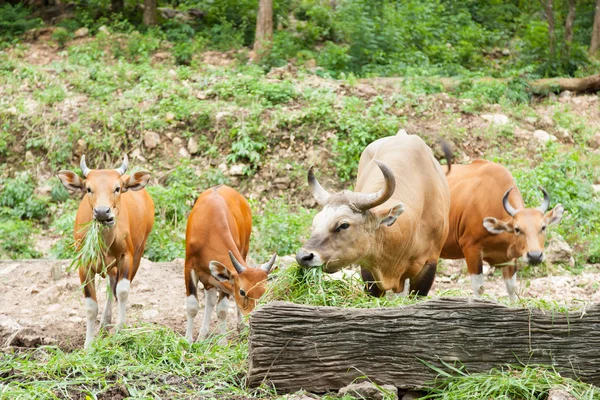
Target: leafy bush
14,21
61,36
18,198
16,239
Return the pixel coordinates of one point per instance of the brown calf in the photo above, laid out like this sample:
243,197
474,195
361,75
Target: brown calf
489,222
126,211
217,243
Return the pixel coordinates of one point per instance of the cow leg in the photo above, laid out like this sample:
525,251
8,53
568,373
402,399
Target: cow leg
370,285
475,267
123,285
110,294
87,279
210,298
192,305
421,284
509,273
222,309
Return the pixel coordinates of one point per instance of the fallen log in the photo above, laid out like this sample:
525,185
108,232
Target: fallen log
318,349
538,86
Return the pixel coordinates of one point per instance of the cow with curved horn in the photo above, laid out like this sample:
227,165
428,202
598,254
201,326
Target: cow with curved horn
393,225
217,241
489,222
126,211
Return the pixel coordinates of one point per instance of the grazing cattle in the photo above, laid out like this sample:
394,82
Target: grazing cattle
217,242
126,211
396,175
489,222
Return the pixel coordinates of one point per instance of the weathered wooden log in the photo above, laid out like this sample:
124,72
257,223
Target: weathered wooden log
295,347
540,86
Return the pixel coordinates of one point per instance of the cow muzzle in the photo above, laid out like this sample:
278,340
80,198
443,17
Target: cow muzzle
534,257
104,215
308,259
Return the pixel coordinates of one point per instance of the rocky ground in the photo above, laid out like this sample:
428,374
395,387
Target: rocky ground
41,304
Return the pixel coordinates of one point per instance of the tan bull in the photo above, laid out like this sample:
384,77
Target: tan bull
126,211
489,222
394,225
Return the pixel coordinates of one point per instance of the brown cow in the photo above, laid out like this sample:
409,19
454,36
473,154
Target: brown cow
217,243
126,211
396,175
489,222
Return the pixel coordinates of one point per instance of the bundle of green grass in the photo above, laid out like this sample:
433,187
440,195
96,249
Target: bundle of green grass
92,248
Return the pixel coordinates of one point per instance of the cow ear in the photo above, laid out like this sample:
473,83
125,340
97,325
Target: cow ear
495,226
71,180
220,272
554,216
137,181
392,215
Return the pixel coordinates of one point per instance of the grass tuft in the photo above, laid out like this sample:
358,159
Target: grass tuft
91,249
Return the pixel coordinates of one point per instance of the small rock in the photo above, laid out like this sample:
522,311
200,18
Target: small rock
192,145
545,122
594,141
368,391
34,290
496,119
172,73
177,142
150,314
286,261
81,32
169,116
566,94
543,136
201,96
8,325
531,120
282,182
222,167
137,154
183,152
104,29
29,157
56,271
505,52
75,319
559,252
596,188
221,115
312,63
79,147
151,140
237,170
560,394
50,295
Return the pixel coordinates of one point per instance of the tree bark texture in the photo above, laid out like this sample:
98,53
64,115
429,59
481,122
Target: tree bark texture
264,27
595,43
549,11
318,349
569,21
150,12
539,86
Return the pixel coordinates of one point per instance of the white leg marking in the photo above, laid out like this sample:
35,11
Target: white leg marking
107,314
477,282
210,297
511,287
122,295
406,290
222,309
91,312
192,310
241,324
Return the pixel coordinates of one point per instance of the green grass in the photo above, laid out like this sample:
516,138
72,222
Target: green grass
92,248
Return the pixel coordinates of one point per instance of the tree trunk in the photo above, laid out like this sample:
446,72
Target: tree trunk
319,349
116,6
150,12
549,11
538,86
264,28
595,43
569,27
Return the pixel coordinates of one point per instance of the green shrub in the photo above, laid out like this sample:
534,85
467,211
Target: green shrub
16,239
18,198
14,21
61,36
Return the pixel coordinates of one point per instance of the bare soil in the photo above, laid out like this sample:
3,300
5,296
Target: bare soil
37,310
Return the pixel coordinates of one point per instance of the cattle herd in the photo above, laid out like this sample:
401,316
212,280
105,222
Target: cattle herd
406,212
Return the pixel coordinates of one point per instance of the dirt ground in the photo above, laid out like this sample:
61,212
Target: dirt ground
35,309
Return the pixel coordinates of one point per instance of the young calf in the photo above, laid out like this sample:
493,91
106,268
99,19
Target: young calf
217,242
489,222
126,211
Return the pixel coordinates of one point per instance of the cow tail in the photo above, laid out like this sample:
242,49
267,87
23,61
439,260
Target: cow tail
448,155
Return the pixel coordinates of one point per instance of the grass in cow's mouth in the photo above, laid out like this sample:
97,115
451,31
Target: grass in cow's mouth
509,382
92,247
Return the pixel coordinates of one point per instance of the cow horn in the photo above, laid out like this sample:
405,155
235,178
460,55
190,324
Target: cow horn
236,264
366,201
546,202
268,265
123,168
509,209
320,194
84,169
